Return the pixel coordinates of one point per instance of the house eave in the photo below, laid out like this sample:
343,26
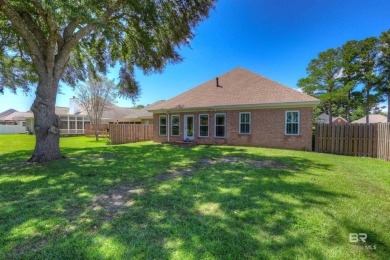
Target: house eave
236,107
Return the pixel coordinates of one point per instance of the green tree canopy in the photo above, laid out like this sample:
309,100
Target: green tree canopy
384,67
323,79
367,73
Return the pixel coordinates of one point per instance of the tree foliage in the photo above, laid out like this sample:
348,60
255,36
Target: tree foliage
90,35
323,78
44,42
351,79
384,67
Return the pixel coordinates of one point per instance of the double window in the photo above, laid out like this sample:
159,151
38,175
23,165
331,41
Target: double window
175,125
203,125
292,122
163,125
245,122
220,125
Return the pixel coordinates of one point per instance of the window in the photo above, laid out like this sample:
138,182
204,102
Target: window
80,125
64,124
220,125
292,122
72,125
245,123
163,125
175,130
203,125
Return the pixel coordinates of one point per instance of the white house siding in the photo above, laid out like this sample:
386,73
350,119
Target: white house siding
12,129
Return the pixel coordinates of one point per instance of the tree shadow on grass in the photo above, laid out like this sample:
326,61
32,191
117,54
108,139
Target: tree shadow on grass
222,211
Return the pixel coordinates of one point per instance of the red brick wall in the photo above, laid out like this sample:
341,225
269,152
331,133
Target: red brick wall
267,129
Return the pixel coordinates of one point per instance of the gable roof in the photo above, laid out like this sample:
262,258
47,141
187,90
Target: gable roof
144,112
7,112
372,118
237,87
17,116
115,112
324,118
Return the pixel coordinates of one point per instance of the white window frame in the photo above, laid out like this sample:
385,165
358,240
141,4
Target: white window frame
159,125
208,125
250,123
299,122
175,125
215,125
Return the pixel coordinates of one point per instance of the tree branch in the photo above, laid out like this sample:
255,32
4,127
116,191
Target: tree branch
32,26
53,34
71,39
28,36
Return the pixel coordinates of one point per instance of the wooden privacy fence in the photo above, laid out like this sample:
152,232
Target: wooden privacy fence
367,140
128,133
89,130
384,141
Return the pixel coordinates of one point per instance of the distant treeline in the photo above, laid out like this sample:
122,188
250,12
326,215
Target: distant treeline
351,80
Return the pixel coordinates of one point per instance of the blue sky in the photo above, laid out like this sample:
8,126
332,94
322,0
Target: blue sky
275,38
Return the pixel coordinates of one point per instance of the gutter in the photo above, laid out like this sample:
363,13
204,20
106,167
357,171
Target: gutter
248,106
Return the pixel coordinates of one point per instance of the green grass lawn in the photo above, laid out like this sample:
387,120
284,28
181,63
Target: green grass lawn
148,200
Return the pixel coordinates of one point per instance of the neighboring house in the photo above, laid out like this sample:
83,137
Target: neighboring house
14,117
237,108
72,119
336,120
13,122
139,116
75,121
373,119
4,114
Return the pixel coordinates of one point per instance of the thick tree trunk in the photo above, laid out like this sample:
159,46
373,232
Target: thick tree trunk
46,123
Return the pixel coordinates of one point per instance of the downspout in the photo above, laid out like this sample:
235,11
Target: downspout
168,125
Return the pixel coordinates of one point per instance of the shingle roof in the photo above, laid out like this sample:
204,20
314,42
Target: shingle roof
115,112
7,112
143,113
372,118
324,118
64,111
238,87
17,116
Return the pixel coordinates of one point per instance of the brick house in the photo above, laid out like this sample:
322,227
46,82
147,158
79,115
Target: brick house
237,108
336,120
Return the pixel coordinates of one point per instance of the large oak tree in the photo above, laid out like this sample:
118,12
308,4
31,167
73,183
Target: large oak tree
44,42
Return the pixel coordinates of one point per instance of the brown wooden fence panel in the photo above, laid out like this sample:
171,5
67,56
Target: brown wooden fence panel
129,133
367,140
384,141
